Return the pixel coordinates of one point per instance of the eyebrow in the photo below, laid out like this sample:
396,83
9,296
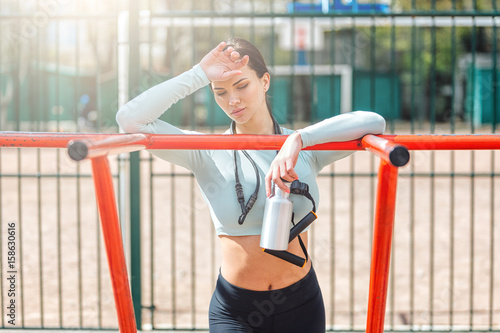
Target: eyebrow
234,83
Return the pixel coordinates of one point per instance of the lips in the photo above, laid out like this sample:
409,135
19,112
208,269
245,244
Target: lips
237,112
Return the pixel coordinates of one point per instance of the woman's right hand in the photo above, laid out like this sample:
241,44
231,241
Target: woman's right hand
221,65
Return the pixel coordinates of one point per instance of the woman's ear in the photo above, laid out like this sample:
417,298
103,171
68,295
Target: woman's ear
266,81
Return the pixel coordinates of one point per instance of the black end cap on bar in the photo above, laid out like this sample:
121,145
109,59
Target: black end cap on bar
78,150
399,156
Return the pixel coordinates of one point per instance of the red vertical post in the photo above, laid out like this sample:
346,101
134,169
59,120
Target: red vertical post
382,243
110,224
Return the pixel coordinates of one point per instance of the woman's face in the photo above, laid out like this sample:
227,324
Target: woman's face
243,96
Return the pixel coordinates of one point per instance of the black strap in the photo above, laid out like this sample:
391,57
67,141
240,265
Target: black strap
304,249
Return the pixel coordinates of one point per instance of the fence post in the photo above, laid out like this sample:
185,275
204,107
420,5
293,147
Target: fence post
135,196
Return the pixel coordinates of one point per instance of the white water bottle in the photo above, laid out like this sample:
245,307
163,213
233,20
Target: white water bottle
277,221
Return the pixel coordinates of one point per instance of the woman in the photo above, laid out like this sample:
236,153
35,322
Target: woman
255,292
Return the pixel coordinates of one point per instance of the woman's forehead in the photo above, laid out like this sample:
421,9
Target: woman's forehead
247,73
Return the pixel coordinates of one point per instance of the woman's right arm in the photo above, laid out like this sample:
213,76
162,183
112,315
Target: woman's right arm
140,115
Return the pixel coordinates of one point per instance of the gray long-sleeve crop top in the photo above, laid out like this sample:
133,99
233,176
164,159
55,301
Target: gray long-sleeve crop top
214,169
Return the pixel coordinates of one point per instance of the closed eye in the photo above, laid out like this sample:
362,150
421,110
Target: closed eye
222,93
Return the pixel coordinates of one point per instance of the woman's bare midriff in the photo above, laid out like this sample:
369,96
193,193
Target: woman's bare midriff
245,265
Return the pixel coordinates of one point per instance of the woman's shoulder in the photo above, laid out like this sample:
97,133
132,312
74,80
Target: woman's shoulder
286,131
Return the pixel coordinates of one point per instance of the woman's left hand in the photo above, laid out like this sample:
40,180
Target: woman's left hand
282,167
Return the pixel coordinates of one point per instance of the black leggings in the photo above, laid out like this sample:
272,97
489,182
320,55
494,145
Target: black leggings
297,308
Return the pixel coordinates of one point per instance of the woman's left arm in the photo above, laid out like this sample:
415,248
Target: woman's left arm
344,127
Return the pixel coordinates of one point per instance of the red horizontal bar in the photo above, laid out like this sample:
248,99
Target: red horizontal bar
249,142
447,142
45,139
240,141
272,142
165,141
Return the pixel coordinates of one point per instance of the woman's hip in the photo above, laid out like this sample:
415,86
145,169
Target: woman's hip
290,309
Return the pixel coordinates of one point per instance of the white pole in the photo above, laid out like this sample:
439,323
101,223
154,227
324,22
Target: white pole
325,6
123,96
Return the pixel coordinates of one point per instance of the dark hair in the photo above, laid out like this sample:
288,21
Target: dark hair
256,60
